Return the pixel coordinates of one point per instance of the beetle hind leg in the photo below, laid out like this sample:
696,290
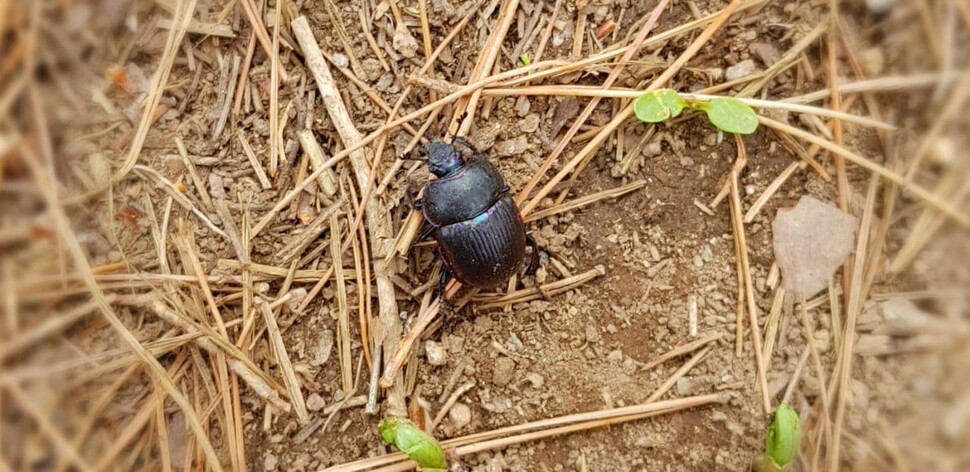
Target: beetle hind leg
444,305
534,260
534,257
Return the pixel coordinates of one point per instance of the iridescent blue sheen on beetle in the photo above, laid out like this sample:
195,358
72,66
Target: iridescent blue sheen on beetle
480,232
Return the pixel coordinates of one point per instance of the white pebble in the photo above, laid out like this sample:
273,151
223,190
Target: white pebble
340,60
270,462
460,415
435,353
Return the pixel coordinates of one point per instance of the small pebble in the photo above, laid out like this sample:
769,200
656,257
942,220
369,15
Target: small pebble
504,368
315,402
321,352
741,69
340,60
522,106
460,415
766,53
435,353
372,69
270,462
536,380
530,123
404,42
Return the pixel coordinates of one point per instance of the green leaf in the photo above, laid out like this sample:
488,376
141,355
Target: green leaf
419,446
658,105
731,115
781,445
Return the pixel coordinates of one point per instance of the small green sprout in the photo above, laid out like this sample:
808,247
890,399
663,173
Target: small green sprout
419,446
726,113
781,445
525,59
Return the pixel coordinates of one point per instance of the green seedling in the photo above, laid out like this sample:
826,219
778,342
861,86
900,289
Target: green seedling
524,58
419,446
781,444
726,113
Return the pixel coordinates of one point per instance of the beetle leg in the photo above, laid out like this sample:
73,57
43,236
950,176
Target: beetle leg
427,233
444,304
534,266
534,259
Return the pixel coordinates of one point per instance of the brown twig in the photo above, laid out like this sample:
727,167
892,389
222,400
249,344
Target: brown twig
378,222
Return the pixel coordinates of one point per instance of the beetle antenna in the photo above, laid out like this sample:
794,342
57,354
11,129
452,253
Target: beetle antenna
464,142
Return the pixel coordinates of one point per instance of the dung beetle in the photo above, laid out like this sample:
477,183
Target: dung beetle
474,219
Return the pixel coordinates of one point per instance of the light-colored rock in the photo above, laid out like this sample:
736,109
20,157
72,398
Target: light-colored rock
810,242
766,53
315,402
270,462
435,353
340,60
530,123
504,368
403,42
321,352
460,415
741,69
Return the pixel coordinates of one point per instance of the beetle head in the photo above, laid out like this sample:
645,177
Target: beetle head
443,158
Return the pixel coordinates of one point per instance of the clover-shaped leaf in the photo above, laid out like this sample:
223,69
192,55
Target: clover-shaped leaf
658,105
731,115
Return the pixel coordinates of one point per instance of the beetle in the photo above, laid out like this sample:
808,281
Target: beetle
480,232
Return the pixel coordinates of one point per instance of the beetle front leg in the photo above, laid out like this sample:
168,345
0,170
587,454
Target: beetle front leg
424,236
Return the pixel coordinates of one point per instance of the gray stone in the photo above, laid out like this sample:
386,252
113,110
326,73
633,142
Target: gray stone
741,69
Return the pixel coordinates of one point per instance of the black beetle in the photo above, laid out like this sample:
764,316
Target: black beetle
480,233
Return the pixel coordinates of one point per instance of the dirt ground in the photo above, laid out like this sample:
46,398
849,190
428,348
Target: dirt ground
667,251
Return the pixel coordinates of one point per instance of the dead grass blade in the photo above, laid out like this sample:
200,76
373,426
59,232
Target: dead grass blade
74,248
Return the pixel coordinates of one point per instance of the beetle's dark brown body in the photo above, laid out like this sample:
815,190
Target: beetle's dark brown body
480,232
